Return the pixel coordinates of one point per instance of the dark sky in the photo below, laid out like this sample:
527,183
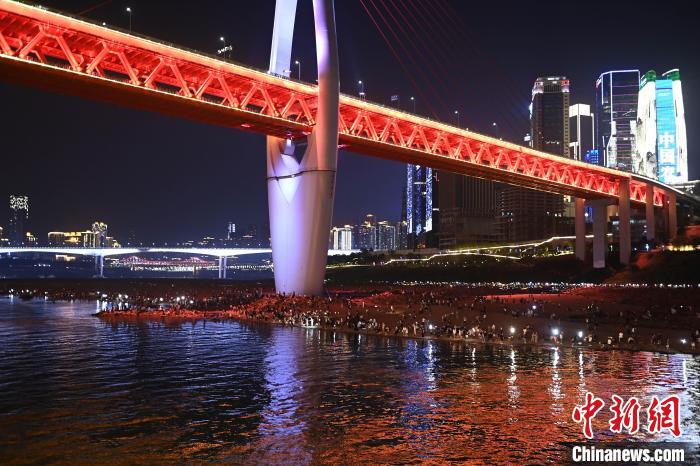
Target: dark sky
170,179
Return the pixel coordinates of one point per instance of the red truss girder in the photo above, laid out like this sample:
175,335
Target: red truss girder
74,56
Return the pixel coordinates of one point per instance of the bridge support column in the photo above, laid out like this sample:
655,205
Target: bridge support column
223,270
672,216
580,228
651,219
221,267
100,265
300,193
600,231
624,222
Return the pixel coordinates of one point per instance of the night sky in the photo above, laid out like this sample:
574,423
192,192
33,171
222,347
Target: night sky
171,180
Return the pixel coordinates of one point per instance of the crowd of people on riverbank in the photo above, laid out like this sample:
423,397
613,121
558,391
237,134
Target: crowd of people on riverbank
487,315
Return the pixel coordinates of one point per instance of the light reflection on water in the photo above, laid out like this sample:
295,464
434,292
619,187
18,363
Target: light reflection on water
75,388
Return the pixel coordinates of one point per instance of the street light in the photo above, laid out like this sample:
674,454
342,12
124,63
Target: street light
128,10
226,50
413,99
361,89
457,114
298,63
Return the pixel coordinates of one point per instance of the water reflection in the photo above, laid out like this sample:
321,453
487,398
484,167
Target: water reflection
74,388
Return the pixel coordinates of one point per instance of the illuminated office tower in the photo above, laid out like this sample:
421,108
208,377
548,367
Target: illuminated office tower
615,115
19,215
581,131
421,205
549,115
661,149
525,214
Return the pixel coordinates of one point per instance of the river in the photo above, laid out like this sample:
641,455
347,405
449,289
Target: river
74,389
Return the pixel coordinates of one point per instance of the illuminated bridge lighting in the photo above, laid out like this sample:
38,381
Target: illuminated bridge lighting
75,56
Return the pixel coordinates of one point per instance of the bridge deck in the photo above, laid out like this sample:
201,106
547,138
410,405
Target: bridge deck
71,55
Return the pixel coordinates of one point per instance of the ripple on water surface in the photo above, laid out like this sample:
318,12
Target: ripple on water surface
75,389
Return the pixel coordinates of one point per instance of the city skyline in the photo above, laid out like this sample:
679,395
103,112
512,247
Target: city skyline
168,180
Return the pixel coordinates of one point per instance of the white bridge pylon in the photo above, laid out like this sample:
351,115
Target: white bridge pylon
300,193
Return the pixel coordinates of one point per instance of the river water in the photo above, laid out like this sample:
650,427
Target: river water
74,389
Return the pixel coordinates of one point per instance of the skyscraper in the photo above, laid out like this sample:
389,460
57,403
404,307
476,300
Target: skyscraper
366,238
19,215
661,145
386,236
581,131
467,210
615,115
526,214
231,231
421,200
549,115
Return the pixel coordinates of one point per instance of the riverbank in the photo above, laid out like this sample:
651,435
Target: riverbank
612,316
175,318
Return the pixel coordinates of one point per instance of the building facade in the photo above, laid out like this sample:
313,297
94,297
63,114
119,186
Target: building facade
525,214
615,116
422,214
467,211
341,238
581,131
661,150
19,216
549,115
386,236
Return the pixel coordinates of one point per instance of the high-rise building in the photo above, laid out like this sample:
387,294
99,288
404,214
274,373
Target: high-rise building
615,116
661,144
421,206
386,236
99,230
366,238
525,214
231,231
402,234
549,115
467,210
19,215
581,131
341,238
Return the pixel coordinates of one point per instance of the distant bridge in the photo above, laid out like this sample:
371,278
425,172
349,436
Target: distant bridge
100,253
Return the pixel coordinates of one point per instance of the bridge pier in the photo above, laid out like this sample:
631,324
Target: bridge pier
223,262
624,222
301,193
100,265
672,215
600,231
651,218
580,228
